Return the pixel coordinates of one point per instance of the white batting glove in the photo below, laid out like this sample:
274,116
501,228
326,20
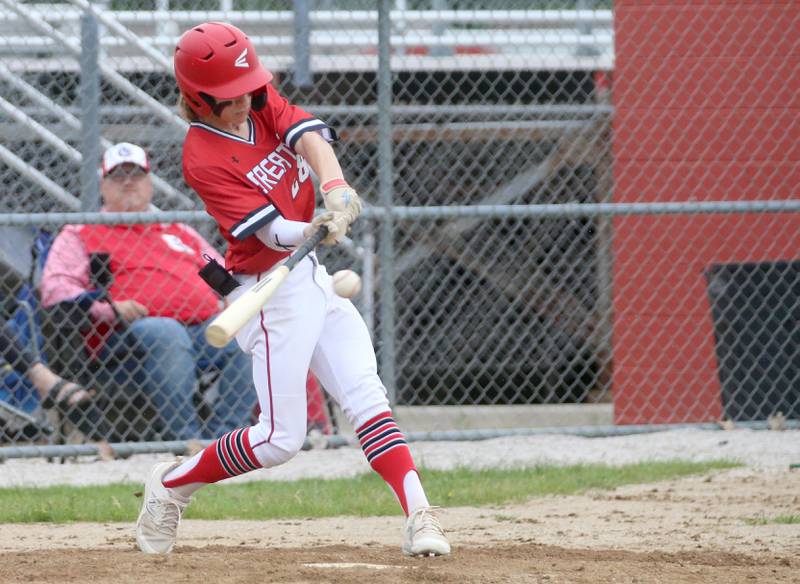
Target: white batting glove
337,224
341,197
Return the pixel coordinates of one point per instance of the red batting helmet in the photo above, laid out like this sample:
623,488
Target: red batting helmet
216,60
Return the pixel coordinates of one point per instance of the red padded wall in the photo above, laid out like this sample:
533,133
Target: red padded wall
707,108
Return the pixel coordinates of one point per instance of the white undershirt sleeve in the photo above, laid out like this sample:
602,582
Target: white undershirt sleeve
282,234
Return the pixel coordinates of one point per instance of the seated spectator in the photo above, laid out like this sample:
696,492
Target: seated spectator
157,304
68,398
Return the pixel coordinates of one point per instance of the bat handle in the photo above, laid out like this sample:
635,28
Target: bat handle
307,247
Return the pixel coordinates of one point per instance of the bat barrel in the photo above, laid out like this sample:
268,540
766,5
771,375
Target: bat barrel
217,335
223,328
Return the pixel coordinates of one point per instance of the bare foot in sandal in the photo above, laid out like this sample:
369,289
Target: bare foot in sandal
45,380
76,403
66,395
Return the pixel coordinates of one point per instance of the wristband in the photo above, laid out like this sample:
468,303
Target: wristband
333,183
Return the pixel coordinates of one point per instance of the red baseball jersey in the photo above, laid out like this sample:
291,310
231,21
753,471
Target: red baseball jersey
246,183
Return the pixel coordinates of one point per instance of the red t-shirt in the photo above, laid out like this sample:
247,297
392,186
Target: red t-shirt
246,183
157,266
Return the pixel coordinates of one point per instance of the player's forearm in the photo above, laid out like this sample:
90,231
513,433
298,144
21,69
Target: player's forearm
282,234
320,156
338,196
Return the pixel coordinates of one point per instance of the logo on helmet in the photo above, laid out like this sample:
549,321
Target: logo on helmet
241,61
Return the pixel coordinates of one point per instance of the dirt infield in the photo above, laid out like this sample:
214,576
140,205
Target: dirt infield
716,528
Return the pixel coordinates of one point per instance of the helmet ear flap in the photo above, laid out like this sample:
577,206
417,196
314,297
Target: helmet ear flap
194,103
216,106
259,100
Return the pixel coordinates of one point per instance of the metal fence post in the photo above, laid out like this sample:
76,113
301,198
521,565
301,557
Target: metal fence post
90,112
368,275
385,171
585,28
302,44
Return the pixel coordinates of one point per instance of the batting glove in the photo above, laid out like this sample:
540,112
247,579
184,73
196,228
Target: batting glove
341,197
336,222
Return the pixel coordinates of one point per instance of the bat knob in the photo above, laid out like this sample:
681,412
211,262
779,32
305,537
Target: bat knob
216,336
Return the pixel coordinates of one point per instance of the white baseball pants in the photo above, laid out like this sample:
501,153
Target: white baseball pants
306,325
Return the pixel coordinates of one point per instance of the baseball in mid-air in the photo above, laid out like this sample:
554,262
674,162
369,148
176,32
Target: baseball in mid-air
346,283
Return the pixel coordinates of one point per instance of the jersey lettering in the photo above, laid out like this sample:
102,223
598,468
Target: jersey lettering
303,170
271,169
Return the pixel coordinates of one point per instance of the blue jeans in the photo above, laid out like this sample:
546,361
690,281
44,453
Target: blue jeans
167,357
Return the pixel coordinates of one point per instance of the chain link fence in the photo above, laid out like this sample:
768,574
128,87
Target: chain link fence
569,202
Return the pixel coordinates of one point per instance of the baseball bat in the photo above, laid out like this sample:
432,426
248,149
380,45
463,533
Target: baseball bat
223,328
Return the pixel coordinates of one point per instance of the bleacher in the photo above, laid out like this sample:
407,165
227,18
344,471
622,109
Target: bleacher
460,74
337,40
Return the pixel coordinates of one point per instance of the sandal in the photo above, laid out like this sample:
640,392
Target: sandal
84,414
52,400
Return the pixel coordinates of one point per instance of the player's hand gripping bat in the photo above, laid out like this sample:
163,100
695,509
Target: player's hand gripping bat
223,328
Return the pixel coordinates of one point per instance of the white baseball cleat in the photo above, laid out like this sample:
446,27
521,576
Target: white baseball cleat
424,535
157,525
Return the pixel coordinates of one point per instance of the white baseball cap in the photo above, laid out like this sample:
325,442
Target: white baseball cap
122,153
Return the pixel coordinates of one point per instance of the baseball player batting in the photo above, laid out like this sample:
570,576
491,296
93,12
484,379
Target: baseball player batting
249,155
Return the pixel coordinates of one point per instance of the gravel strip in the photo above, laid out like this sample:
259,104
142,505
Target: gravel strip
757,449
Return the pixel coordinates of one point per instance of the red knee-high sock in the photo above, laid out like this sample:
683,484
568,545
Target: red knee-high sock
229,456
387,452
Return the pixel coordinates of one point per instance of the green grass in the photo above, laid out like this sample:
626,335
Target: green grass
780,519
361,496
